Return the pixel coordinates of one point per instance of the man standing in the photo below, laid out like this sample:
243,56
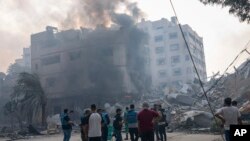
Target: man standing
131,119
117,124
84,122
126,123
66,125
162,124
94,125
145,122
156,126
229,115
105,123
234,103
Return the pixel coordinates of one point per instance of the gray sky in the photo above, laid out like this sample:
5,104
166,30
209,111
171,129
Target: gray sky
224,36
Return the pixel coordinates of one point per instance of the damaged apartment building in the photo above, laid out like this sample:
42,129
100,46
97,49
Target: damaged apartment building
169,59
80,67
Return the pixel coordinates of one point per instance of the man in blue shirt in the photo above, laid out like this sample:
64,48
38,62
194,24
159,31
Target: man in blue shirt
105,123
66,125
131,119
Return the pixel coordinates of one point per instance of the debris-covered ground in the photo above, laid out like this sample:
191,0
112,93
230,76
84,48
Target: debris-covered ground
186,108
171,137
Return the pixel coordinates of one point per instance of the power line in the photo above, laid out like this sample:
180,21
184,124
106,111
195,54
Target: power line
225,71
201,84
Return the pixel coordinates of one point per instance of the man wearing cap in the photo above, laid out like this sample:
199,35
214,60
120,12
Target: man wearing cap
145,122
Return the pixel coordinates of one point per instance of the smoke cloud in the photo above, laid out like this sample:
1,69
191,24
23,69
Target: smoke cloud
92,13
20,18
102,41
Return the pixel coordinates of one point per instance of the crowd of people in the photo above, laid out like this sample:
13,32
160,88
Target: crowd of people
148,124
95,123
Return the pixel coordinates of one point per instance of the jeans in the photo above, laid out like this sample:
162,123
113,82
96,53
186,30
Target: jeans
95,138
133,134
105,133
67,134
227,135
147,136
162,132
156,129
118,135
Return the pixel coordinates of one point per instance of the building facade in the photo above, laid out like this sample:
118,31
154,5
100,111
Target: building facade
169,59
26,57
70,65
25,61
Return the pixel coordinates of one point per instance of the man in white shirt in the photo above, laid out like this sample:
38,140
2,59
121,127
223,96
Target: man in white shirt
229,115
94,125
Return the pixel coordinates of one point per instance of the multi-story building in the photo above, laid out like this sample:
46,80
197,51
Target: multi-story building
169,59
19,62
70,65
25,61
26,57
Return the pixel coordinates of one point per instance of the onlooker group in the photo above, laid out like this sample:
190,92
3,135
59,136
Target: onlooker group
94,124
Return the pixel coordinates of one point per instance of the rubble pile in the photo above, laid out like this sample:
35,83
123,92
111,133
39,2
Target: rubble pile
189,110
15,133
53,124
189,107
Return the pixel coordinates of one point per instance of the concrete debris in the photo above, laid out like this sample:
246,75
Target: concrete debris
32,130
245,109
185,89
197,119
54,124
180,99
190,108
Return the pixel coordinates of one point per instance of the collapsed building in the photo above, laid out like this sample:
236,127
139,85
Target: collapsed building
189,103
80,67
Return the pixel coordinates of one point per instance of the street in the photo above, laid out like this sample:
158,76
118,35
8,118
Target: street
171,137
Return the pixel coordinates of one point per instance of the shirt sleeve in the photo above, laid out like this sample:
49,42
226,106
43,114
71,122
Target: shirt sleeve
155,114
87,119
219,111
102,120
239,115
138,116
66,118
108,119
82,120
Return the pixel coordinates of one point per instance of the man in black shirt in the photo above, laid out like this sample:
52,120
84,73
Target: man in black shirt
117,124
162,124
84,123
